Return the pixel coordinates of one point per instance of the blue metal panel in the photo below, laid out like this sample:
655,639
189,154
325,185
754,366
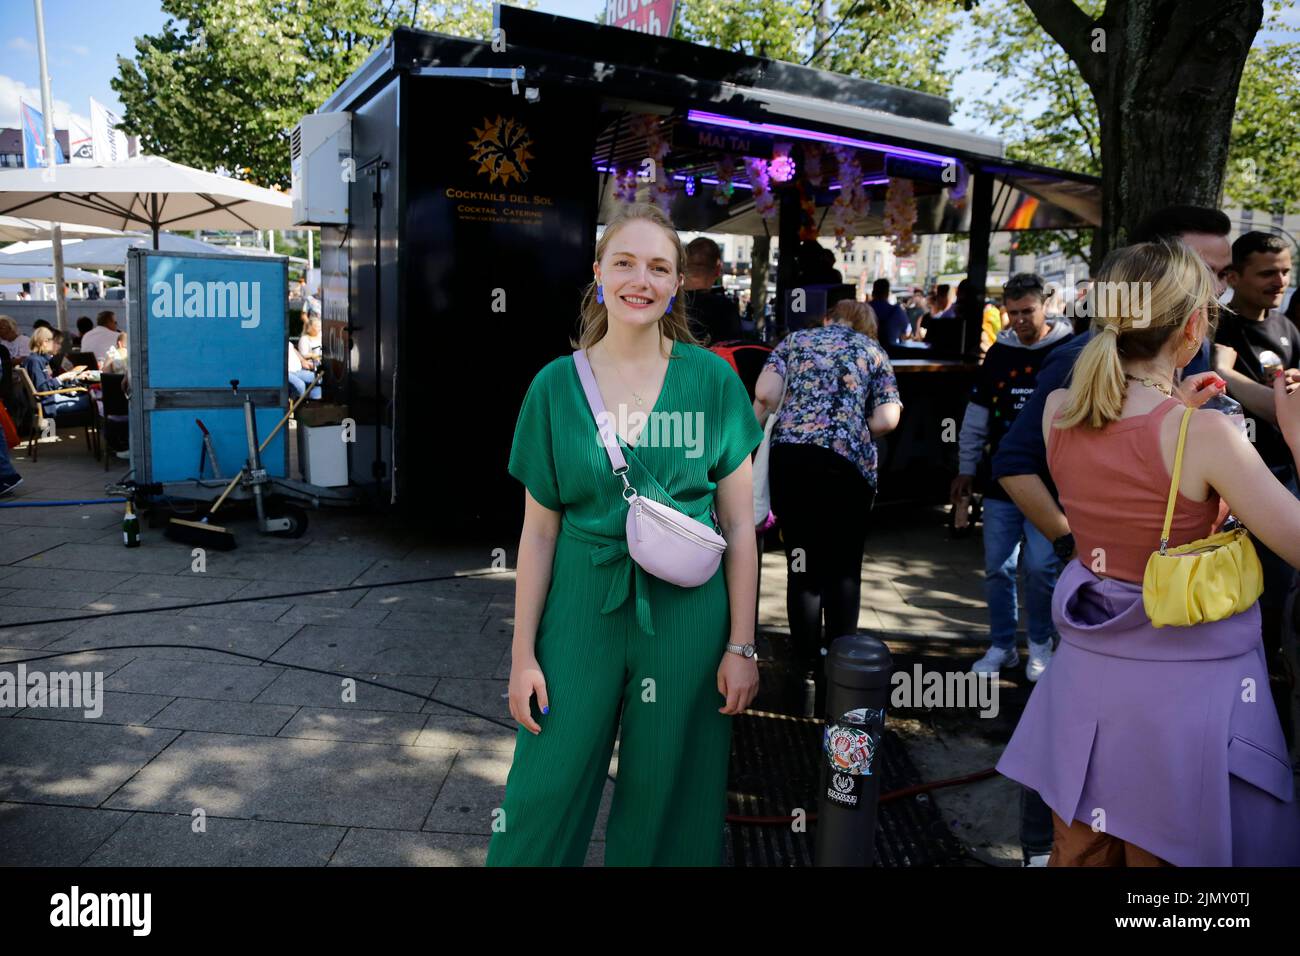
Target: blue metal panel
214,319
177,441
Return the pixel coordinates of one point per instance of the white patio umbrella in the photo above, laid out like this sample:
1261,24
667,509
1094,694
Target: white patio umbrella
14,229
45,273
111,253
143,191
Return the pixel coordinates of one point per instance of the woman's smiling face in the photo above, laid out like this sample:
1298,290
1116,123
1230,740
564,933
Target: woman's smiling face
638,273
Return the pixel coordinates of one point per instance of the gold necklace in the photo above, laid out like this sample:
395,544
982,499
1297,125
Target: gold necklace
619,372
622,377
1151,383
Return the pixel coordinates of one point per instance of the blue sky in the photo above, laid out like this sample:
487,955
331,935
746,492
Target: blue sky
85,37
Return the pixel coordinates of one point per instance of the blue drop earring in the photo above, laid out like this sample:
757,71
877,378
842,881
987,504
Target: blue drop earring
671,300
600,295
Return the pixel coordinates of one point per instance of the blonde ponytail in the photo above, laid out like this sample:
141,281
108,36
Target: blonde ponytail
1143,295
1097,388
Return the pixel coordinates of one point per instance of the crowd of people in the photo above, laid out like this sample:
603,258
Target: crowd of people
1081,441
68,389
63,390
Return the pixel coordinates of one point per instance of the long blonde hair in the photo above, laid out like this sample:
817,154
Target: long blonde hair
1175,285
594,321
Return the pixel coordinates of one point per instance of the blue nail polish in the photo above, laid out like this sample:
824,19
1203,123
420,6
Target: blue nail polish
546,710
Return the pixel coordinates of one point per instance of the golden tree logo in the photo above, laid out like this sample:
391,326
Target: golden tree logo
501,150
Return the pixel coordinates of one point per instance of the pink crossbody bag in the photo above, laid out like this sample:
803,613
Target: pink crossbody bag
663,541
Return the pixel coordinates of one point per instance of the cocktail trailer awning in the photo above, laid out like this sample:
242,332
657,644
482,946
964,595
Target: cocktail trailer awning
717,103
476,173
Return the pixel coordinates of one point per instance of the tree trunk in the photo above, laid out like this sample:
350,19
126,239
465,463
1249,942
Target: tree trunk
1164,74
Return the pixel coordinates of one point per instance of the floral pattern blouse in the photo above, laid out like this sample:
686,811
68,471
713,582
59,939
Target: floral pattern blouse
834,379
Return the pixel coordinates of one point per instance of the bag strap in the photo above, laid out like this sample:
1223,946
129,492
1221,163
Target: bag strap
608,437
1173,487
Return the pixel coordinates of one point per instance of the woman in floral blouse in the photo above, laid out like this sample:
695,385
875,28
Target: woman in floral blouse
840,395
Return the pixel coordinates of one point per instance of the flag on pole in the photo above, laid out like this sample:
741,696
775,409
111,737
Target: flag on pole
33,121
109,142
81,144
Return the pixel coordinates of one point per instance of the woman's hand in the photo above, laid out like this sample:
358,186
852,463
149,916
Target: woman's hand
525,680
1196,390
737,681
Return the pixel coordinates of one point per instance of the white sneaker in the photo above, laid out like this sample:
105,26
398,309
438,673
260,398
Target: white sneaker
1040,655
995,658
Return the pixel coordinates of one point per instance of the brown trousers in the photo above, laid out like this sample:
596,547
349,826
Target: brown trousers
1079,845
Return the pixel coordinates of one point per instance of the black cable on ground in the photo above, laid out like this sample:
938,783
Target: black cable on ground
731,818
261,660
244,600
62,503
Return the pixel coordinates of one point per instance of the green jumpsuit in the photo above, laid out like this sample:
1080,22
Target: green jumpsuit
617,644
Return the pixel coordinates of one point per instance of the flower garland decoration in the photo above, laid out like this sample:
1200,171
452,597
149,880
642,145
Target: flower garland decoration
662,192
900,216
851,203
625,184
764,200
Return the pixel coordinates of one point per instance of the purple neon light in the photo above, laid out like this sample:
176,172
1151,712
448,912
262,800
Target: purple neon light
878,181
775,129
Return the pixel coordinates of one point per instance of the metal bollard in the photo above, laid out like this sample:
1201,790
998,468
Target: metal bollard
857,677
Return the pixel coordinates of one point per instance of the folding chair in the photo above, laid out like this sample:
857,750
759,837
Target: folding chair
40,424
114,414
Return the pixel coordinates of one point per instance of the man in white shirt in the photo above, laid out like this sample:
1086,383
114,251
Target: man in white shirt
102,337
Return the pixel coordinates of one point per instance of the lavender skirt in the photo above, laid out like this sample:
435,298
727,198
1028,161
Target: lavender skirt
1164,737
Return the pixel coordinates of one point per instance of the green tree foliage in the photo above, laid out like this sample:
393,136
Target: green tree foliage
226,80
1264,164
1049,115
1037,101
898,43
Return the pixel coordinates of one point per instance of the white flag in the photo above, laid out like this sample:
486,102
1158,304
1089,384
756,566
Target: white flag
81,144
110,142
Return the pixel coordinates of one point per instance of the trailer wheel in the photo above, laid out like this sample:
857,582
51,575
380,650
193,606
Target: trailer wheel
297,519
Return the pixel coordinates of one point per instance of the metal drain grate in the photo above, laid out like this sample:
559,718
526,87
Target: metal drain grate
775,770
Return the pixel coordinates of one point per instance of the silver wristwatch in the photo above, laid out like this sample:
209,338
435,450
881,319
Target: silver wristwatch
746,651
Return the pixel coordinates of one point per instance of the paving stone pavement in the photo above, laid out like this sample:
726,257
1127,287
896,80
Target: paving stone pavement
201,757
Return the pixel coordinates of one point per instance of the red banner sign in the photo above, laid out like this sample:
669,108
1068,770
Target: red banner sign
644,16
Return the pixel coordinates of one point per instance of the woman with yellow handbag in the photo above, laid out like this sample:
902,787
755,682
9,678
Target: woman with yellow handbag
1153,736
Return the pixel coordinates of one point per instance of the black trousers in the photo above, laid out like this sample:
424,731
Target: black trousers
823,503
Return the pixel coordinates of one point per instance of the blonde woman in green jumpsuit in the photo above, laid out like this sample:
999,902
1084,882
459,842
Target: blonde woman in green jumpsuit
598,642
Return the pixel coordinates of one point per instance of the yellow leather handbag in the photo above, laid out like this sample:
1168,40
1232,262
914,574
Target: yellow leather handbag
1207,580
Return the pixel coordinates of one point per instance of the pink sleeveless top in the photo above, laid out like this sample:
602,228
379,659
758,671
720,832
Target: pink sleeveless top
1114,487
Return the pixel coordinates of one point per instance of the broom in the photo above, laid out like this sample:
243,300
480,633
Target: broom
203,533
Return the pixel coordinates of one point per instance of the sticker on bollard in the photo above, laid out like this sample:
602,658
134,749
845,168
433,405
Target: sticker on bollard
857,693
850,747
